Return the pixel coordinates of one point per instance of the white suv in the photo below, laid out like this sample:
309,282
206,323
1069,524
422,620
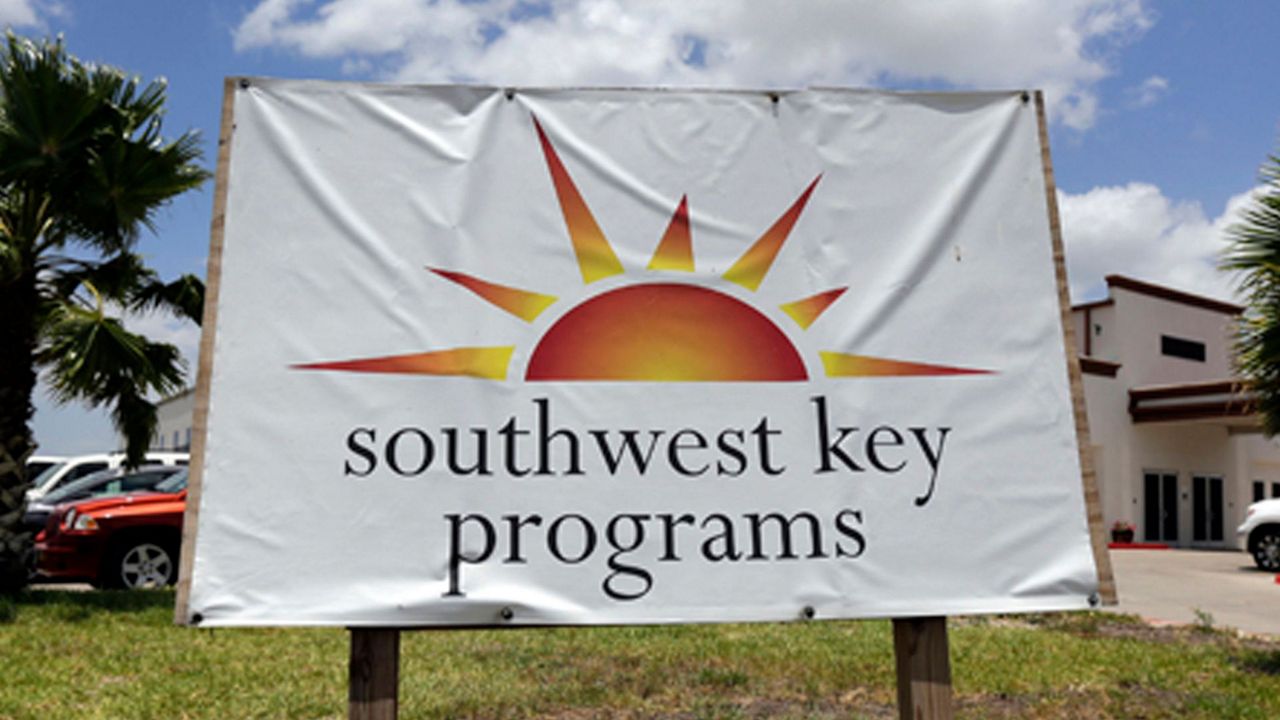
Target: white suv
1261,533
73,468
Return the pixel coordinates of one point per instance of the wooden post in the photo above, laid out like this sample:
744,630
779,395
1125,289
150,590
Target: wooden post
1089,479
374,674
924,668
204,369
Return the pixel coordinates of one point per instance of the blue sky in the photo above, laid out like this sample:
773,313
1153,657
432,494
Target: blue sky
1161,114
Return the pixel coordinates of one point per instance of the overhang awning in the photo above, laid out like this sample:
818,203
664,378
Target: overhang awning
1218,402
1094,366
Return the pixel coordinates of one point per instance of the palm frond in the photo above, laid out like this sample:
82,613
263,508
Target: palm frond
92,357
183,297
134,417
118,279
1253,254
87,139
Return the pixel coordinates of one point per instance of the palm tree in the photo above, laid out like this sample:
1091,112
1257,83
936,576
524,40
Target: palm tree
83,169
1255,253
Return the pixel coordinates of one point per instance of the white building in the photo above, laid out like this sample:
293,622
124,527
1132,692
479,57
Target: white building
1177,451
173,422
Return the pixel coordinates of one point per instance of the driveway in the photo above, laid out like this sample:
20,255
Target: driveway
1170,585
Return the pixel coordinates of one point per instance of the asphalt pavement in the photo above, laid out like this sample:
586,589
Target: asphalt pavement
1173,585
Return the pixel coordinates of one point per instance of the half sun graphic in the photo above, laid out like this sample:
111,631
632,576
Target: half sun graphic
647,331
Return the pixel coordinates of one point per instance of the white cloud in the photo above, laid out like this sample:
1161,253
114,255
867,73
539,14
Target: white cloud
24,13
1148,92
1059,46
1136,230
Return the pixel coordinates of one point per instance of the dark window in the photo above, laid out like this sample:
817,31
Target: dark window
1180,348
1160,511
1275,490
1206,509
83,469
144,480
1259,490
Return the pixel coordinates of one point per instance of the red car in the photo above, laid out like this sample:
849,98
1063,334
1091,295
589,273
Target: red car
128,541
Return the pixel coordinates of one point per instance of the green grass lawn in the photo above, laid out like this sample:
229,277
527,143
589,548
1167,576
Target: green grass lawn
117,655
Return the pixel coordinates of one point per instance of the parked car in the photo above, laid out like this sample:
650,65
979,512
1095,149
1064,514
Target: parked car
74,468
37,464
100,484
1260,533
124,541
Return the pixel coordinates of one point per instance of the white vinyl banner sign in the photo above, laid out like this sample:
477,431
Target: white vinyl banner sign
613,356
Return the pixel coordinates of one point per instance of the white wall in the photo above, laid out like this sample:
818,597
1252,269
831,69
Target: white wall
173,427
1140,320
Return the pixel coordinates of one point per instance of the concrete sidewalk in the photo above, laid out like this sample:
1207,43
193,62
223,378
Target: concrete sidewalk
1170,585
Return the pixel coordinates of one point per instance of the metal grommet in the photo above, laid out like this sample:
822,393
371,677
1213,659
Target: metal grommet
244,83
506,613
511,94
809,612
1026,97
197,618
1094,600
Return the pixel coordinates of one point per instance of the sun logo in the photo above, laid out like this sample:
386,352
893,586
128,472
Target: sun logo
648,331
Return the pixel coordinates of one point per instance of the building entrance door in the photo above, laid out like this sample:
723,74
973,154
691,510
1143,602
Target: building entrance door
1160,507
1206,509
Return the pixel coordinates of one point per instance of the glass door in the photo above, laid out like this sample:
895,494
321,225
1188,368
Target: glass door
1206,508
1160,506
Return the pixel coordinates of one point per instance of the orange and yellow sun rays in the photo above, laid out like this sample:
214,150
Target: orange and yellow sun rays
751,268
675,250
596,259
648,331
523,304
845,365
489,363
805,311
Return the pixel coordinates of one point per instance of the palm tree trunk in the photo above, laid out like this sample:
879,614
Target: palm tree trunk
18,313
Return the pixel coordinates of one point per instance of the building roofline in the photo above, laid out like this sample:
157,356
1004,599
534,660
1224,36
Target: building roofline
1168,293
176,396
1094,304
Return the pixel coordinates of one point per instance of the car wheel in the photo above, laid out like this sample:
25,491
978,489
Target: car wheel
1265,546
141,564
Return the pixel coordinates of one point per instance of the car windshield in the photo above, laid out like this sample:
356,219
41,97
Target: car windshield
47,473
110,482
174,483
36,467
78,486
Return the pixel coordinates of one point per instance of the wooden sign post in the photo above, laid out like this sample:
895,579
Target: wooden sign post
373,691
924,668
919,646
